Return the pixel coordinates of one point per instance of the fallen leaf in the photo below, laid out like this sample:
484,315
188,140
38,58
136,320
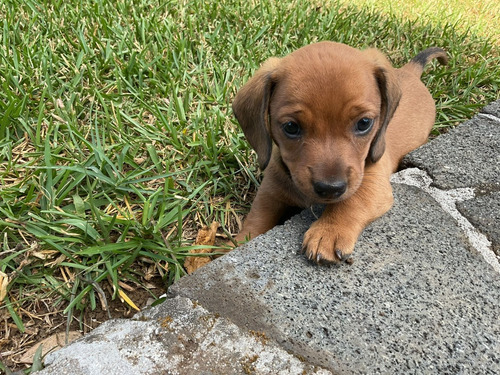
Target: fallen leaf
44,254
61,258
4,281
139,160
126,286
206,236
51,343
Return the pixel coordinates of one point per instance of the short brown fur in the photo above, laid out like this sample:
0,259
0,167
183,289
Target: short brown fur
328,91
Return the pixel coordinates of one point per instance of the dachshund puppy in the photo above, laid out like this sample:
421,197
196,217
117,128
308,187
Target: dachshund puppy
330,123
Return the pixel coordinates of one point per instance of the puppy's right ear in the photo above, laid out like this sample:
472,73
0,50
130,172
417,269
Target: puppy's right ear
251,108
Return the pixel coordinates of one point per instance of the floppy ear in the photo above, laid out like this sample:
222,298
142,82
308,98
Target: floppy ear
251,108
390,94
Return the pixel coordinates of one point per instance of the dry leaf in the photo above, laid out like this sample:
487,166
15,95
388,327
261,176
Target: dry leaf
44,254
206,236
126,286
61,258
4,281
54,342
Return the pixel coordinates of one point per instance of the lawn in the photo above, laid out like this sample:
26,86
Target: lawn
117,140
480,17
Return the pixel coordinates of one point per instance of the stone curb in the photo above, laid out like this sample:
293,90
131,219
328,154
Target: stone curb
421,297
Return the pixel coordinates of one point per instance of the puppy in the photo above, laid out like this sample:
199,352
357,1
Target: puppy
329,124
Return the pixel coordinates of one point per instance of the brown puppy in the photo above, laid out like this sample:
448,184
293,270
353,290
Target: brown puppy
330,124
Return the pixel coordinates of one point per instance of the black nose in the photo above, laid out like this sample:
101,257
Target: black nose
330,189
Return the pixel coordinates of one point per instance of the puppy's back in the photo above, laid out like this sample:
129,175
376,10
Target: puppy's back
416,112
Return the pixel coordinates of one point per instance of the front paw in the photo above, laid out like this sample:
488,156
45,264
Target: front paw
326,242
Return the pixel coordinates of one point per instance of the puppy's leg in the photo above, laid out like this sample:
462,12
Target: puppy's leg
333,236
266,211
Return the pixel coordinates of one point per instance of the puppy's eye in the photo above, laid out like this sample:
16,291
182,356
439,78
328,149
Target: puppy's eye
363,126
291,129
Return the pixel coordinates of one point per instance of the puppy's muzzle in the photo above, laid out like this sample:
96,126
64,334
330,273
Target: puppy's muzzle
329,189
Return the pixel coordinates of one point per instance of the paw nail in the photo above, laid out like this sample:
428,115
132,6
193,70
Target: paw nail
339,254
318,258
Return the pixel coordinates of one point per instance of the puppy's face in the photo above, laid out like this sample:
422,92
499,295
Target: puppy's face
326,110
324,114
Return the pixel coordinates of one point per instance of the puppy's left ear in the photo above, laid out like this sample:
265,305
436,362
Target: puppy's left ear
390,94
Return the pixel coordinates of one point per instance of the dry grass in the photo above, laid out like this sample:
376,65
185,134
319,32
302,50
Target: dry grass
479,17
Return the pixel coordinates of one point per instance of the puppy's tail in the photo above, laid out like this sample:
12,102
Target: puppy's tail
417,64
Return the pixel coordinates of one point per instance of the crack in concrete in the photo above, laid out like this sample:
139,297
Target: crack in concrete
488,116
447,200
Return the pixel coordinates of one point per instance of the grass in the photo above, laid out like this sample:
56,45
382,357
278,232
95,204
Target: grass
117,141
479,17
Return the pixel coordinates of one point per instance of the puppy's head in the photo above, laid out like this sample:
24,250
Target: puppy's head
326,106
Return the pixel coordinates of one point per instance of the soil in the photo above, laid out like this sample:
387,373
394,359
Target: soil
41,320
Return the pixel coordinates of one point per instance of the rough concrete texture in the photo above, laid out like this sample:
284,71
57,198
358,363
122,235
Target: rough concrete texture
492,109
178,337
417,299
466,156
484,213
469,156
448,200
422,296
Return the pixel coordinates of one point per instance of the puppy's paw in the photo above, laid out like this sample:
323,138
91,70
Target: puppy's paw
326,243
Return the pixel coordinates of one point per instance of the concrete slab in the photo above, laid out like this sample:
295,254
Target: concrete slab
492,109
417,299
484,213
448,200
469,156
466,156
178,337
